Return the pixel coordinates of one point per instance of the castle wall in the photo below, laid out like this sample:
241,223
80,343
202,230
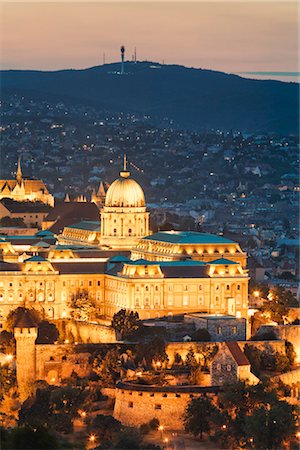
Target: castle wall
290,333
135,405
85,332
56,362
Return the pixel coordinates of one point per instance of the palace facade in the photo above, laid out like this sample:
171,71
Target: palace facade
163,274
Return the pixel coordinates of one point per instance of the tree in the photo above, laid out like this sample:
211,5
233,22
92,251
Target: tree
254,356
15,315
270,426
108,368
29,438
177,360
196,376
47,333
207,352
152,351
83,305
125,322
7,342
290,353
278,304
105,427
190,359
12,222
7,379
200,415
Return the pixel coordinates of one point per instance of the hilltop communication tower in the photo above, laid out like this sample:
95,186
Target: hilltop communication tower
122,59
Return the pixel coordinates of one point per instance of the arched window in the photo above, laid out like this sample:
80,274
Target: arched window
129,231
115,232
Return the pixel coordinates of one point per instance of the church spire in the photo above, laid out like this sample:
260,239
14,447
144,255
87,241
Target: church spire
19,172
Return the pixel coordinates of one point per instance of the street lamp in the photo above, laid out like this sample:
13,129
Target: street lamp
166,440
161,429
256,294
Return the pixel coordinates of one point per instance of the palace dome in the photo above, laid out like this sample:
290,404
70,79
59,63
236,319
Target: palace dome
125,192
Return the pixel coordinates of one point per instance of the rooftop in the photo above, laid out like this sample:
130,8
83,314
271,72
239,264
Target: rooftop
188,237
86,225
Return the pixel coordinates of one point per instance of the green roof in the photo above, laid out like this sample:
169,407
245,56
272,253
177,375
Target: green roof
119,258
44,233
86,225
184,263
223,261
188,237
35,258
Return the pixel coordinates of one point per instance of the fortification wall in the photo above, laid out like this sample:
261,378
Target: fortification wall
290,333
87,333
290,378
135,405
55,362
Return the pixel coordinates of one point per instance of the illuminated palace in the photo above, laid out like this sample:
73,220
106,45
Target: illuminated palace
22,189
162,274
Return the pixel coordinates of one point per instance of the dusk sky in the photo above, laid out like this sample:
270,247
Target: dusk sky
228,36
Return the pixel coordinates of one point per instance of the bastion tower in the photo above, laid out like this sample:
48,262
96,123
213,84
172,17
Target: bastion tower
124,219
25,332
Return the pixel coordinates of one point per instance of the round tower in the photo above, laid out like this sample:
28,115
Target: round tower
25,332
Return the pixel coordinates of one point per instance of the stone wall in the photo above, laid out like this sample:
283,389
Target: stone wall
221,329
55,362
87,333
290,378
290,333
137,404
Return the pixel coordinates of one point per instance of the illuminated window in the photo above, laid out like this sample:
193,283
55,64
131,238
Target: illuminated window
185,301
219,330
228,367
234,330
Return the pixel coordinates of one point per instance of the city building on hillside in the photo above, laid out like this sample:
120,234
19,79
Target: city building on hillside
229,365
22,189
32,213
221,327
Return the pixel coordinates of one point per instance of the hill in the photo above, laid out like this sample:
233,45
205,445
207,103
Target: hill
193,98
